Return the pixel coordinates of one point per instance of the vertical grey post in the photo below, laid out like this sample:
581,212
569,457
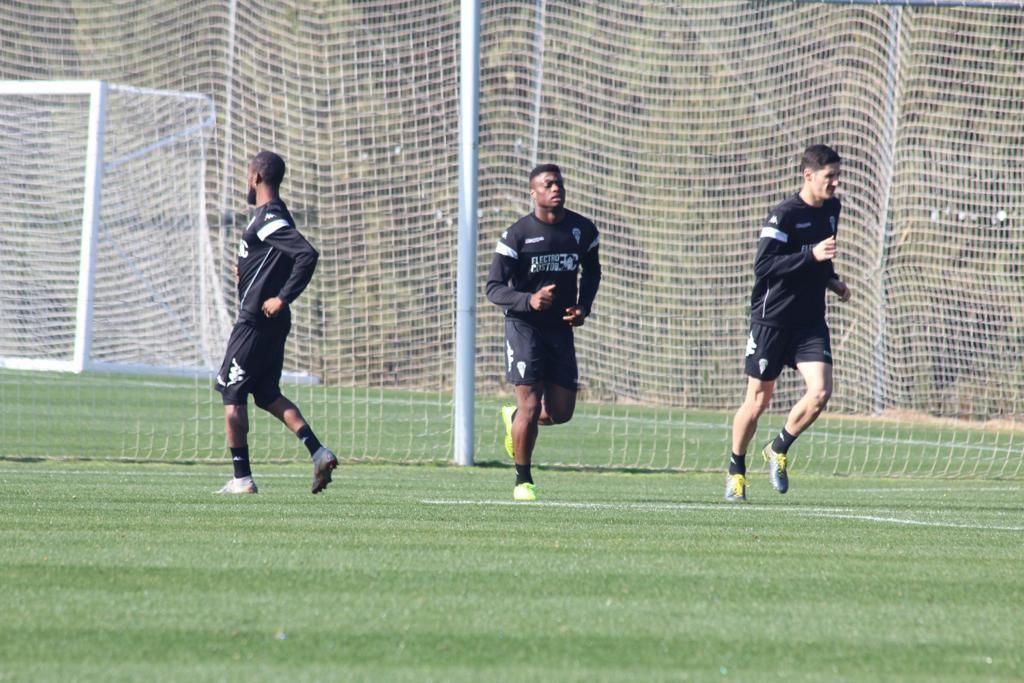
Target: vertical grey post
538,75
465,305
227,174
90,225
888,172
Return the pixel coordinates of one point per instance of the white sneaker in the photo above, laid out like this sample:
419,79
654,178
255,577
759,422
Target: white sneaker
323,462
243,485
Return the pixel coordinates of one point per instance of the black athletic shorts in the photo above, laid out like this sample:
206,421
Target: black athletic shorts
252,364
770,349
540,354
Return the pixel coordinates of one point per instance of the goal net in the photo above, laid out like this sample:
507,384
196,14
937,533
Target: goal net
108,263
677,125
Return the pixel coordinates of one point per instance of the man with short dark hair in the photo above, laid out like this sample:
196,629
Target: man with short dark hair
275,263
544,275
792,270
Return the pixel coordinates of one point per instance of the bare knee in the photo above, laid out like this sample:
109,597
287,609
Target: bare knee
528,409
560,414
754,406
819,397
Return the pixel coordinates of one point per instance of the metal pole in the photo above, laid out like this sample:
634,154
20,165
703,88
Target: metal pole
884,223
465,311
538,71
91,203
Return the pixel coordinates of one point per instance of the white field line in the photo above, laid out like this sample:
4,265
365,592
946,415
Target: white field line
832,513
884,516
198,472
210,474
937,489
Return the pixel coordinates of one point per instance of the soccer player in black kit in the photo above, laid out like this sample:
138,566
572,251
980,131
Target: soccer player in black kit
792,270
275,263
533,278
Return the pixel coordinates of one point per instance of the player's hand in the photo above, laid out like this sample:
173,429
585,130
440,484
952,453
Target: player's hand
841,289
234,271
574,316
273,306
542,299
825,250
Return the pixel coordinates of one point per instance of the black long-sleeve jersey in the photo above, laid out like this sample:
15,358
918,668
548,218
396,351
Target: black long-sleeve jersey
789,286
274,259
532,254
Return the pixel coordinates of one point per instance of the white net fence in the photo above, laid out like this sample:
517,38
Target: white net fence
153,295
677,125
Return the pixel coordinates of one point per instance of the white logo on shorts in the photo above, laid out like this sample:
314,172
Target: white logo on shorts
509,353
762,364
236,374
521,367
751,345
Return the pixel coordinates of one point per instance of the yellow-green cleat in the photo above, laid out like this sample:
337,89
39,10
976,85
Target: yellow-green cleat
524,492
735,488
507,413
776,468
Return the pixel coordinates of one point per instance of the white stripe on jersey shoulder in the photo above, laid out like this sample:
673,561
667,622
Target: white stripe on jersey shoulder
506,250
774,234
594,244
270,228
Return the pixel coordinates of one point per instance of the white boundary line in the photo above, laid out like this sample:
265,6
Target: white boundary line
831,513
883,516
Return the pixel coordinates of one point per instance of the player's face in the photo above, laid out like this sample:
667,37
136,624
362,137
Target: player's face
823,182
250,181
548,191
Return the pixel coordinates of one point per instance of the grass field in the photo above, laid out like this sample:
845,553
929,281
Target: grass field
169,419
116,571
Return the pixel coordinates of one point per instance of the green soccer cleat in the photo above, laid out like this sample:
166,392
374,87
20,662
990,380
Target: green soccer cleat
525,493
507,413
776,468
735,488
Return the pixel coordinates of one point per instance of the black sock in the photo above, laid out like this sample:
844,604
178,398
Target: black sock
783,441
738,464
308,439
523,475
240,461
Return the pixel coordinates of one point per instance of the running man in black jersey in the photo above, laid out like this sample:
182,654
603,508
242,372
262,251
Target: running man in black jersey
275,263
792,270
537,265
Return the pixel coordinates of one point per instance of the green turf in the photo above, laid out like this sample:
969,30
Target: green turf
168,419
136,572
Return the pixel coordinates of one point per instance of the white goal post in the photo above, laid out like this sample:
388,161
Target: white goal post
110,265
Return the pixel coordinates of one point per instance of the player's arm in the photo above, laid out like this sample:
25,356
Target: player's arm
837,286
304,259
503,267
590,281
835,283
776,257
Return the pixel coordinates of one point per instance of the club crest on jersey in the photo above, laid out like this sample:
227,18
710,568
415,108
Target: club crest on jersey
577,234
